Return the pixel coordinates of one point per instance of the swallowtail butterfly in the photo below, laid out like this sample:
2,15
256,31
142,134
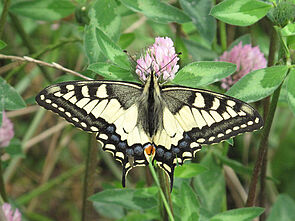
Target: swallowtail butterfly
137,122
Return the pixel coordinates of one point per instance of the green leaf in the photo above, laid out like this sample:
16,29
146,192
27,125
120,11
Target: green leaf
291,90
120,197
46,10
282,209
15,148
109,210
210,185
180,47
186,204
235,165
126,39
152,214
157,11
2,44
241,13
203,73
137,199
111,72
198,10
9,98
111,50
108,21
198,51
242,214
288,30
258,84
189,170
91,46
291,42
103,14
245,39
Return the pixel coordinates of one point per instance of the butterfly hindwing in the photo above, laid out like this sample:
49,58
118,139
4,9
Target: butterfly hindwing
108,108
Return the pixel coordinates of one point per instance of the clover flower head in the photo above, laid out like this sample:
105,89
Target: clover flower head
247,59
6,131
9,214
160,58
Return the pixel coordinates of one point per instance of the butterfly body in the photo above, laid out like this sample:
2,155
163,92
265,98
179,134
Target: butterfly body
137,123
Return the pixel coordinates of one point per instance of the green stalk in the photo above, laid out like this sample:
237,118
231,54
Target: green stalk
163,198
89,178
50,184
4,16
2,185
222,29
165,186
266,103
262,148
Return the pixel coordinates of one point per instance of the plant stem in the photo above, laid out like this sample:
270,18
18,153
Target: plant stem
165,186
266,103
222,30
163,198
2,185
89,178
262,148
4,16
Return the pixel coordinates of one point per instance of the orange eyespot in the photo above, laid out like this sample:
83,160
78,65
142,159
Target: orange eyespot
150,150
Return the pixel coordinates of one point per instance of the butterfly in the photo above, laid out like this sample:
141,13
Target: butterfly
139,122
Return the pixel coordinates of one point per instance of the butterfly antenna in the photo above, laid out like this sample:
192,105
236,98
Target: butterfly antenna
142,69
179,53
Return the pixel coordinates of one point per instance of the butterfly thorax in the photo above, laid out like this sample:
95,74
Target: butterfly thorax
153,109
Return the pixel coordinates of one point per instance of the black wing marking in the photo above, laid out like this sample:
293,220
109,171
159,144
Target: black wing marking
214,117
108,108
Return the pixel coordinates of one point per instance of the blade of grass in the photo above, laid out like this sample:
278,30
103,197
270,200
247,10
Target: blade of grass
47,186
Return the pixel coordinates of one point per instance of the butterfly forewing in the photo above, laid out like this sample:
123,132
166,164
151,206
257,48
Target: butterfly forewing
209,117
108,108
